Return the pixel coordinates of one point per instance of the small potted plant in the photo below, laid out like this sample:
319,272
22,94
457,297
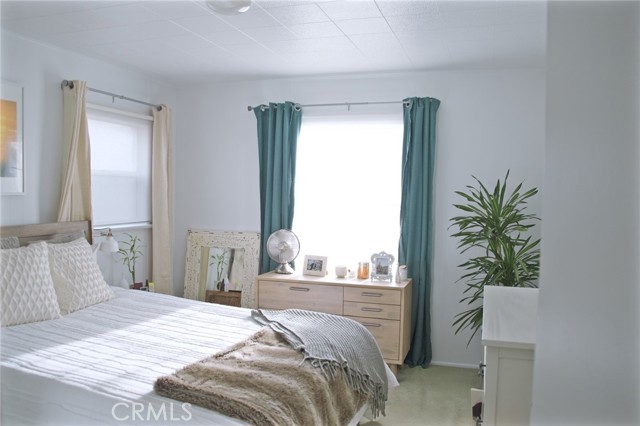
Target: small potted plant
220,260
130,254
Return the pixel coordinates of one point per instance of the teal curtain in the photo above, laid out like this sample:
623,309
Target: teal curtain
278,130
416,212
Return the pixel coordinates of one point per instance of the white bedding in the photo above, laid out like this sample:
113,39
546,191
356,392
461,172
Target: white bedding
98,365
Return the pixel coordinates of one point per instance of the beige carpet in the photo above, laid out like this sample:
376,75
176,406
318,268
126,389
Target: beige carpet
434,396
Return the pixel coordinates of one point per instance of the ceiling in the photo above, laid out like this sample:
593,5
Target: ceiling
185,40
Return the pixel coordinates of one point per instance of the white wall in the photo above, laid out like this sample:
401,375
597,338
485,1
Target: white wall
488,122
40,69
587,369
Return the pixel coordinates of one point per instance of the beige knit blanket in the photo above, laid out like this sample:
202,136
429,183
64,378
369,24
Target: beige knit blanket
264,381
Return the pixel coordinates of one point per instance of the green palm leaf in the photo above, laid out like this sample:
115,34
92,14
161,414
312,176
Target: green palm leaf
493,221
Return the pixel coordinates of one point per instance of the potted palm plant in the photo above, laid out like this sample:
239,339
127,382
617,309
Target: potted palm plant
492,228
130,254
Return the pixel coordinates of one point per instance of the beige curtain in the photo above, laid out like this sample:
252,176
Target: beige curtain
162,201
75,199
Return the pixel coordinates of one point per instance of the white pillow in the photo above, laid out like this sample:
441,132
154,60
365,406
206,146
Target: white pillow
76,276
27,288
9,242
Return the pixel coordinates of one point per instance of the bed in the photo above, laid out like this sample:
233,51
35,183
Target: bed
97,364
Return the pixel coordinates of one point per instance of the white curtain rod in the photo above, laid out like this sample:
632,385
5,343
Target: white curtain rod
347,104
113,95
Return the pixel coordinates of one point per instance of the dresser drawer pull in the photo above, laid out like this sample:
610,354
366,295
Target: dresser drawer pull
298,289
371,324
369,294
365,309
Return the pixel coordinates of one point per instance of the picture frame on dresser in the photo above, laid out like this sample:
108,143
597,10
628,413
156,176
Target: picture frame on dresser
382,266
11,140
315,265
221,260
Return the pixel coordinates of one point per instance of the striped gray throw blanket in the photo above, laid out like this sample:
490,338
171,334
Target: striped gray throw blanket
342,347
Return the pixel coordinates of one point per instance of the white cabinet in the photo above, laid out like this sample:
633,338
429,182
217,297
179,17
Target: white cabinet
508,336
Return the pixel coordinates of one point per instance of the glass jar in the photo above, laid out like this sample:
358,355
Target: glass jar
363,270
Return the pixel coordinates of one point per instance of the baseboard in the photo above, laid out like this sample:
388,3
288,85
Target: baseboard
453,364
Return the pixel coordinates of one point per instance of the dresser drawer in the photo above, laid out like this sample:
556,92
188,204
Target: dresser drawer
372,310
373,295
386,332
292,295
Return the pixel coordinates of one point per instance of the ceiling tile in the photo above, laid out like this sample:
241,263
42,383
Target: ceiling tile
316,30
253,18
255,51
184,39
267,34
187,42
177,9
42,27
337,10
107,36
113,16
203,24
300,13
501,13
229,38
415,23
376,43
299,47
159,29
13,9
364,26
412,7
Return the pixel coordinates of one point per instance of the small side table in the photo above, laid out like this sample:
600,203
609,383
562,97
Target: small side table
229,298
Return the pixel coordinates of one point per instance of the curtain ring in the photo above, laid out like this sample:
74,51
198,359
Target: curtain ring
297,107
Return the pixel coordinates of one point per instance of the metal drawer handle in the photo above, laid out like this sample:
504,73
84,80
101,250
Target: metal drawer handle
365,309
369,294
298,288
371,324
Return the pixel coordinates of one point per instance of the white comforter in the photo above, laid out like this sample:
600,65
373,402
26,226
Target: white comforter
98,365
115,351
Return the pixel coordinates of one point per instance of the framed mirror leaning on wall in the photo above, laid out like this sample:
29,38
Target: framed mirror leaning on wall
222,261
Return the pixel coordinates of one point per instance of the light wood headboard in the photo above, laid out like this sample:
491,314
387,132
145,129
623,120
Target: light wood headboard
43,231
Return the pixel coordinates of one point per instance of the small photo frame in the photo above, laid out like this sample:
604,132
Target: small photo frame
381,264
315,265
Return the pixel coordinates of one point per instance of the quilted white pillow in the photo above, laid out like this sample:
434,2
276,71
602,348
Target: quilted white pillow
9,242
27,288
76,276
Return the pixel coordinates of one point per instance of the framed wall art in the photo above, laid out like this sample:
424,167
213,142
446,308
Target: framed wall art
11,141
315,265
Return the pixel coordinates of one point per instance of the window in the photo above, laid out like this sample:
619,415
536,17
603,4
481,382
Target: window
348,187
120,166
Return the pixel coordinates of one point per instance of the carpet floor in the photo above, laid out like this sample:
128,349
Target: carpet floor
433,396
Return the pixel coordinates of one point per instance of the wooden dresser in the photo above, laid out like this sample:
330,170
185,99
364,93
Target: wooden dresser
383,307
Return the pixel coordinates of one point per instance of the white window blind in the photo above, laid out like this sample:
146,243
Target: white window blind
348,187
120,166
